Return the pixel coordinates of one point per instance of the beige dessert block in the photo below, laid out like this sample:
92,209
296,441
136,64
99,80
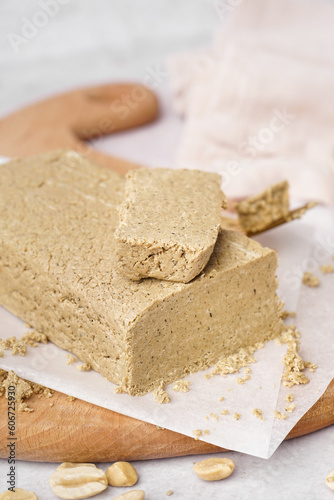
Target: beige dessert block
58,273
169,223
258,212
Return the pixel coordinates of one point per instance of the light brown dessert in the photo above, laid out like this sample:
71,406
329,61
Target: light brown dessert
169,223
259,212
59,273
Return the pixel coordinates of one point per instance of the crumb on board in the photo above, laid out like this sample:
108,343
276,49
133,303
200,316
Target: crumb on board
197,433
289,397
85,367
290,408
71,398
24,389
160,428
309,279
258,413
70,359
280,416
236,415
160,395
181,386
327,268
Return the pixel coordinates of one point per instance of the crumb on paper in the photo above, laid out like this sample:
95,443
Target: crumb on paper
1,354
181,386
169,493
214,416
206,432
289,397
309,279
280,416
206,417
15,346
160,395
224,412
197,434
70,359
243,379
85,367
311,366
222,398
119,389
233,363
327,268
290,408
258,413
288,314
294,365
236,415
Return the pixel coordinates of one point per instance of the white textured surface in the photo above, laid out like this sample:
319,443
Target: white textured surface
92,42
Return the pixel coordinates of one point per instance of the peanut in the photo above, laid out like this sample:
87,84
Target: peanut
122,474
18,494
214,469
330,480
132,495
74,481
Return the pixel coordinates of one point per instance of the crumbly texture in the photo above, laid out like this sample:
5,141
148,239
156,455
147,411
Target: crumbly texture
236,415
259,212
224,412
23,389
280,416
327,268
197,433
181,386
309,279
233,363
214,416
58,273
290,408
295,366
168,223
70,359
84,368
242,380
289,397
169,493
258,413
160,395
288,314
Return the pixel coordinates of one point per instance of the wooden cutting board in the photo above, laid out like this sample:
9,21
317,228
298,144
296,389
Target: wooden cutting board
75,430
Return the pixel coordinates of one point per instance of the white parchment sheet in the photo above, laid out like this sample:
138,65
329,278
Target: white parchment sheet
300,245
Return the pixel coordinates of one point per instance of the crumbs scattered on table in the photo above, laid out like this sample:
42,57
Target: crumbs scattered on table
243,379
289,397
169,493
236,415
290,408
224,412
85,367
214,416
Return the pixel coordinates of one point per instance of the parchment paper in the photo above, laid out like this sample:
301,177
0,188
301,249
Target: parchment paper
300,244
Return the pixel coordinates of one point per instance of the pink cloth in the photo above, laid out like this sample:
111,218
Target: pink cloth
259,105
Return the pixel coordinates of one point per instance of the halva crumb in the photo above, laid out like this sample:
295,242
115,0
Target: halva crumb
326,269
258,413
160,395
309,279
181,386
236,415
70,359
290,408
85,367
280,416
289,397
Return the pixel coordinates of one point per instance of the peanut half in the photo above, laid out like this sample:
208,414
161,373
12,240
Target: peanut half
214,469
74,481
330,480
132,495
18,494
122,474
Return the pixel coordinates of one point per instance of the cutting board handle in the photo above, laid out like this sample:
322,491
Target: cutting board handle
72,119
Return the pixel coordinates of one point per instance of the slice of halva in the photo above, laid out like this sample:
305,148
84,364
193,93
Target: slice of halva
168,223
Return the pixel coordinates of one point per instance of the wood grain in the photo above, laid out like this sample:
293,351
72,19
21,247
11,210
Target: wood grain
79,431
72,119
